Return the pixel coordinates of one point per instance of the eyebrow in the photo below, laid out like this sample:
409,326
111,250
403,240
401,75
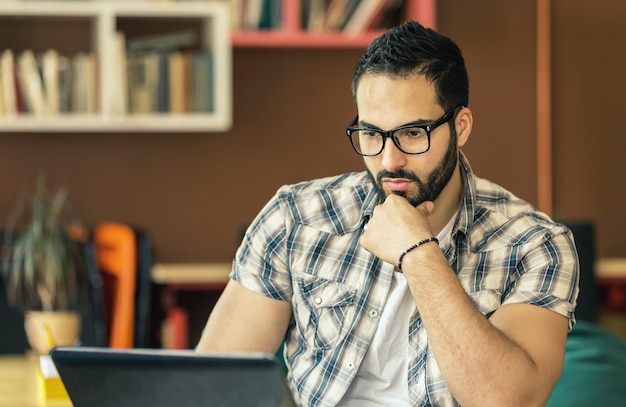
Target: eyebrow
419,122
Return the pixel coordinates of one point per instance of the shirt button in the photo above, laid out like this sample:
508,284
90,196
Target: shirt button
373,313
350,365
318,300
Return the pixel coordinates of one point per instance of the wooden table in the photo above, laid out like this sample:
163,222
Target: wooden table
192,274
19,386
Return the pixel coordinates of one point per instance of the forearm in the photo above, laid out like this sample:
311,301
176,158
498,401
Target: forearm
481,365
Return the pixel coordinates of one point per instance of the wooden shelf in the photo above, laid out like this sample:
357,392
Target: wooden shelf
166,122
104,19
292,35
301,39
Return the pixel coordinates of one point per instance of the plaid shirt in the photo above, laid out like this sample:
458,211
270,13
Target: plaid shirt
303,247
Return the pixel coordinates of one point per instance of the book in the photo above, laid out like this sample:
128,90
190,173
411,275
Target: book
136,83
270,15
119,93
84,86
252,14
91,82
316,15
179,81
151,65
349,11
165,42
77,92
143,79
65,84
387,17
364,14
236,14
7,76
336,13
20,103
31,83
50,73
202,77
162,83
2,110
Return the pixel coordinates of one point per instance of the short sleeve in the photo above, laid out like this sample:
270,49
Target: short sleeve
548,277
261,260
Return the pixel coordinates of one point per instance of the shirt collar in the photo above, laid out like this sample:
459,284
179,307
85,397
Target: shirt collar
465,214
372,199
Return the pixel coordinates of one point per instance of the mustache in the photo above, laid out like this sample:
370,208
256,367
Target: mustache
399,173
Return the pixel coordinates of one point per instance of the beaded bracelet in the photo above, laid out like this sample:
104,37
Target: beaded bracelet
415,246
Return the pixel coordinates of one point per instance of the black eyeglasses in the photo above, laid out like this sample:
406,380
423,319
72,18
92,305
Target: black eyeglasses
409,138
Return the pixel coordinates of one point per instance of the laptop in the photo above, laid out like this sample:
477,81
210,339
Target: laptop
106,377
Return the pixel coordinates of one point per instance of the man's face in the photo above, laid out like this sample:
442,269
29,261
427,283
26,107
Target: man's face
387,103
429,188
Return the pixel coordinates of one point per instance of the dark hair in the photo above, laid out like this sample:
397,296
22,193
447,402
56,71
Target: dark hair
413,49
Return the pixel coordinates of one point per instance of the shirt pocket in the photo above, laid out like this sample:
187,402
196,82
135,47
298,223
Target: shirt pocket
321,310
487,301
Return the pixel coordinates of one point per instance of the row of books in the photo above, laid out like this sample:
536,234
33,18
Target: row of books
256,14
349,16
144,81
163,73
170,82
47,84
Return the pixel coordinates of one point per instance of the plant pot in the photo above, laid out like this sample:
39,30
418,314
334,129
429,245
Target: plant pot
64,329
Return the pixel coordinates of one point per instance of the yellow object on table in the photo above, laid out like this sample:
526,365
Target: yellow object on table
49,383
20,386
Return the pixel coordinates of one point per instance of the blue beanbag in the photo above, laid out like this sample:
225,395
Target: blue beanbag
594,373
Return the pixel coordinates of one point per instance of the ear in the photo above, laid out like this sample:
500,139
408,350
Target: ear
463,123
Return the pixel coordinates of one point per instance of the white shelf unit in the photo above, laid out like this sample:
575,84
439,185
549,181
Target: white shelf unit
103,17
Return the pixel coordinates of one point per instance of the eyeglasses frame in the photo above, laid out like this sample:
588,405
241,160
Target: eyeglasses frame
428,128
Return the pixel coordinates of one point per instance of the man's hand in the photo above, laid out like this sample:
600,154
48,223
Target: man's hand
395,225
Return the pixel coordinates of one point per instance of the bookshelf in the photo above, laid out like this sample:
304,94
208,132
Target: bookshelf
98,22
290,33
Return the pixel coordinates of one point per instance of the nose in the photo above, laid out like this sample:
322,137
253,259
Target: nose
392,157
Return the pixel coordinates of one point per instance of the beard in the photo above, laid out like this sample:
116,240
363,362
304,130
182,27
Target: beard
428,189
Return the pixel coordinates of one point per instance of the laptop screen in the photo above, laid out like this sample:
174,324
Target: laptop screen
105,377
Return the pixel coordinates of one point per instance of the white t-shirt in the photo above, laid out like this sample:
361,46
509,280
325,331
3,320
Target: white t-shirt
382,377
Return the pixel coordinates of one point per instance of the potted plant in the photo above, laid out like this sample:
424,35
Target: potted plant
41,267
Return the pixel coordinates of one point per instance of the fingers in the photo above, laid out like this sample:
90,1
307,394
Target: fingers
395,225
425,207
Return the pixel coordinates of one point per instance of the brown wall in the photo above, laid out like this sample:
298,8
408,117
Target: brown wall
589,84
498,43
192,192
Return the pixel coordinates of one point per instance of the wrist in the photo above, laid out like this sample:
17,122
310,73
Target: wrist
413,248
